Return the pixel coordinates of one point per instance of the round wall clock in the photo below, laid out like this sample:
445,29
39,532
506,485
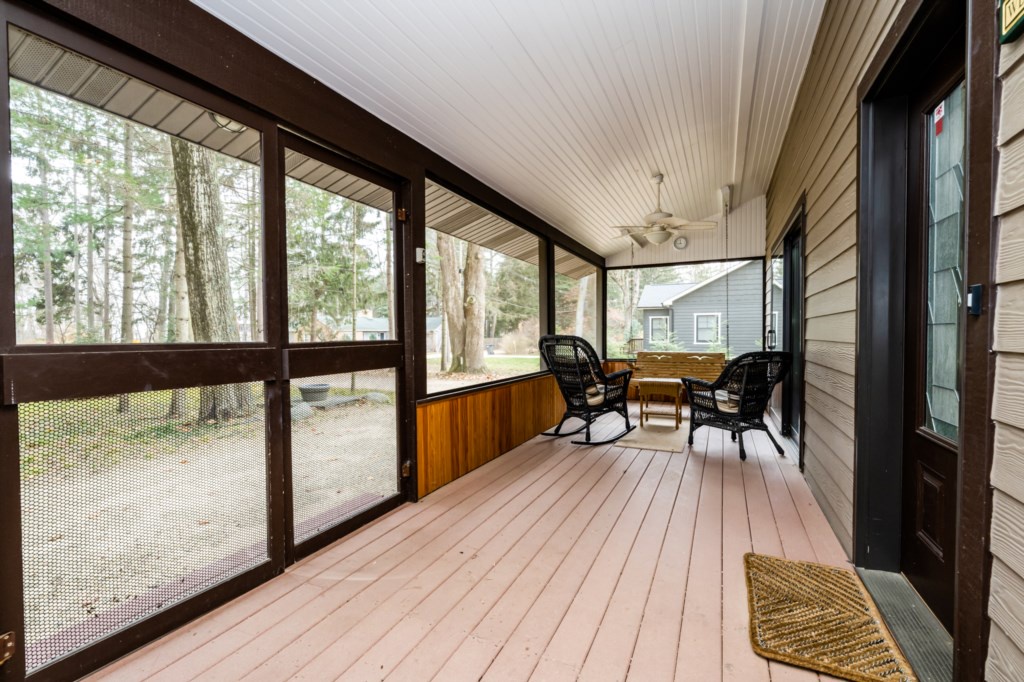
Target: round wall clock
680,243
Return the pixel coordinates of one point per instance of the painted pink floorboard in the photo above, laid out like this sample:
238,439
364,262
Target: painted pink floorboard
553,562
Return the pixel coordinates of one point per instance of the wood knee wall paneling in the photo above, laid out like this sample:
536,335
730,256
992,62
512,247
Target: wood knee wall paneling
458,434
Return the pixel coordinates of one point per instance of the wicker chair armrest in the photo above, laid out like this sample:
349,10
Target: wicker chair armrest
699,383
619,377
700,393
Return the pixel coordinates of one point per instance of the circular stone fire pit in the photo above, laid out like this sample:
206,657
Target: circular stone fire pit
314,393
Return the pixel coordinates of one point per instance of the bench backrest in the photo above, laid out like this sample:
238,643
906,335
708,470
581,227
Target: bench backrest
676,365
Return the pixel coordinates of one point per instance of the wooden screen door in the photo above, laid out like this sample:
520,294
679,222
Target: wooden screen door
934,335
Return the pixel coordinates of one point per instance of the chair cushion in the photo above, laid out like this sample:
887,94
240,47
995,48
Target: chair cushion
726,403
595,399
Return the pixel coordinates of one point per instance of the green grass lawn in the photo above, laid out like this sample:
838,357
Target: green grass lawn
497,364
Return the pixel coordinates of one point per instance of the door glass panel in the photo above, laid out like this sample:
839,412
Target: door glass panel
944,265
341,279
344,447
133,503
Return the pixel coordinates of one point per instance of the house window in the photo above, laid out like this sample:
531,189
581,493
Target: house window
659,330
706,327
483,287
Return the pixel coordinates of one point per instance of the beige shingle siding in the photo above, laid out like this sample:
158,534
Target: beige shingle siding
819,157
1006,601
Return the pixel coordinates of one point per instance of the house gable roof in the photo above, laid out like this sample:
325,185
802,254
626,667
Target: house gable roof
664,295
654,295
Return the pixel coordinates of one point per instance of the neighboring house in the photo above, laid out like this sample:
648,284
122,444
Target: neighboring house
695,316
434,334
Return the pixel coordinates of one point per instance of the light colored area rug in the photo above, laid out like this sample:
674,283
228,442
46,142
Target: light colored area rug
657,434
820,617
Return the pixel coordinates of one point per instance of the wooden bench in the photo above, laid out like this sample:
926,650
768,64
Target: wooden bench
675,365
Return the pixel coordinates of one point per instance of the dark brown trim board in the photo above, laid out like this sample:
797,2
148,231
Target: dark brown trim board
974,563
882,186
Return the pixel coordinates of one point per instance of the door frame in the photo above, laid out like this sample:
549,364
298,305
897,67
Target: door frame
796,227
881,197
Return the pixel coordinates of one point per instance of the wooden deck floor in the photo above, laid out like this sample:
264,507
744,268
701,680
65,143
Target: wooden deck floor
553,562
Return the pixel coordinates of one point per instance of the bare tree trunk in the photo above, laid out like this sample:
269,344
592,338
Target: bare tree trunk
312,319
165,302
389,278
356,215
127,228
452,301
634,298
76,279
107,331
182,322
255,297
182,317
44,215
90,284
475,303
444,342
583,284
127,260
206,268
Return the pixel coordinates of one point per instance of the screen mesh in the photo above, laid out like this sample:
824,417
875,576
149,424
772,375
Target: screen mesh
131,503
344,447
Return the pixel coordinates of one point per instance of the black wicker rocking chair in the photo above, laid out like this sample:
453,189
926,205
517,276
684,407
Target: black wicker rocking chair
588,393
737,400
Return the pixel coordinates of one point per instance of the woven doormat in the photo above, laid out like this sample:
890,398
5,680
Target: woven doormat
822,618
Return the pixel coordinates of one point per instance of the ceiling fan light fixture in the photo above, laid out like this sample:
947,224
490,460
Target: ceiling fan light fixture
658,236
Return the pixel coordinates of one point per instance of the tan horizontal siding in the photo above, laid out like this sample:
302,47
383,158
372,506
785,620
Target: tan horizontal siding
1005,660
827,493
1006,599
819,159
842,268
1010,258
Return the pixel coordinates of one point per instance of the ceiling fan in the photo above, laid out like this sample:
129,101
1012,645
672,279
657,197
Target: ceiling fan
660,225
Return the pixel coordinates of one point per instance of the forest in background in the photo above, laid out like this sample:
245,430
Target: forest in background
125,235
489,303
118,228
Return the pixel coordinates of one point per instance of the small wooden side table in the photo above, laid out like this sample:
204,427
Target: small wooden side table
669,388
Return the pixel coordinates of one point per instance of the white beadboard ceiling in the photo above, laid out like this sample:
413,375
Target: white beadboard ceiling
566,107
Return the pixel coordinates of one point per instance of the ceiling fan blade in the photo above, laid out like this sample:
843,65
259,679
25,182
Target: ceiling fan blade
672,222
698,225
657,217
626,229
638,238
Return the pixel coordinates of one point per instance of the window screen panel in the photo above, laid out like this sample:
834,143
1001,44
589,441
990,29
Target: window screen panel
344,447
133,503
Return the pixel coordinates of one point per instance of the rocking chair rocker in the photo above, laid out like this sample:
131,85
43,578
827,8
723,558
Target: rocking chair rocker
587,391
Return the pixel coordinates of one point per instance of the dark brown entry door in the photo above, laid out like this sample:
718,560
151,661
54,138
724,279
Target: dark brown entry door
935,314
